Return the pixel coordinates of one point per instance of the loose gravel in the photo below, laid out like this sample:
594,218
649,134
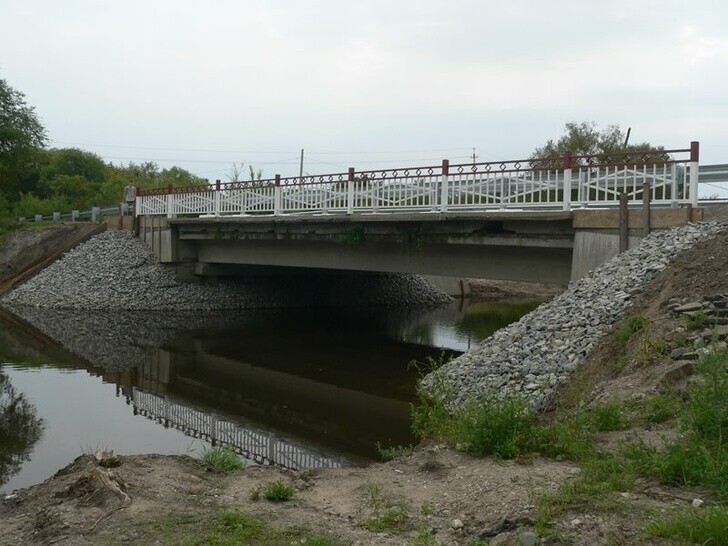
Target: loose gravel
537,354
115,271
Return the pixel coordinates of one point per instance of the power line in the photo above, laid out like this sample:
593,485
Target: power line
208,150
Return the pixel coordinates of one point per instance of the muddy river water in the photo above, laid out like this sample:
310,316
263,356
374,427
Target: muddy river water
299,388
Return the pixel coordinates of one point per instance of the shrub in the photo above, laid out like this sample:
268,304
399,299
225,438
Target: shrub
497,427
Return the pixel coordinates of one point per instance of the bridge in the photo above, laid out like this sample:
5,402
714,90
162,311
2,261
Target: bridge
544,219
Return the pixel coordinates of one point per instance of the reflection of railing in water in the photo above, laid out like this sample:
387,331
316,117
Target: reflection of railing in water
263,448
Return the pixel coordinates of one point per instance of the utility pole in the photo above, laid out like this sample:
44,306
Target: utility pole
300,170
626,138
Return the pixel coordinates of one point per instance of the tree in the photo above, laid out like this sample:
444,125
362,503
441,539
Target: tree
73,162
21,137
19,126
586,139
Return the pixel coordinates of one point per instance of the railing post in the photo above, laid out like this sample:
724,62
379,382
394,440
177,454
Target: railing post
350,192
444,185
216,200
170,201
568,165
694,159
277,205
95,213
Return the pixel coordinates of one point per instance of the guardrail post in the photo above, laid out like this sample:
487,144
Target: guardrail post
646,199
445,185
216,211
74,215
95,213
673,186
568,165
350,192
170,201
56,216
277,205
38,217
694,159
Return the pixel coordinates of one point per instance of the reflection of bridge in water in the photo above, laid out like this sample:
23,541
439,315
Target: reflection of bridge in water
261,447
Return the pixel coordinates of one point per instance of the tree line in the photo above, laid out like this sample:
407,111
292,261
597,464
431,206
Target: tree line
35,179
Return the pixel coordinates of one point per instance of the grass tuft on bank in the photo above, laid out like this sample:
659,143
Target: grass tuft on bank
223,458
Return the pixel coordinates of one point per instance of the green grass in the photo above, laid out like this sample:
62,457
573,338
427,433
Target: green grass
696,320
606,417
657,409
707,526
386,514
594,489
700,455
278,491
230,527
393,452
223,458
628,328
424,537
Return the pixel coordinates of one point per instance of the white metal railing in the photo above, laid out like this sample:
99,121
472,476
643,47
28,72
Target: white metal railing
262,447
671,177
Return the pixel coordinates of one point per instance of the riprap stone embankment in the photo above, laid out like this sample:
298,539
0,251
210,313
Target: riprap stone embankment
537,354
114,271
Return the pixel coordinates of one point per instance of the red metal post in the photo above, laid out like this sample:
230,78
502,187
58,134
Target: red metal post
446,167
170,188
694,150
278,180
568,160
217,185
351,174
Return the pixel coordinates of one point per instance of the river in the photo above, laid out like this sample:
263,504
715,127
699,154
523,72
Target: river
300,388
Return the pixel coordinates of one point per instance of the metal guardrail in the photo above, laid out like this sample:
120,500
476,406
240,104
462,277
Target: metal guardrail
713,174
93,214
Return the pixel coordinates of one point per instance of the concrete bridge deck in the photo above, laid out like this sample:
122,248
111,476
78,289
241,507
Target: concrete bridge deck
548,247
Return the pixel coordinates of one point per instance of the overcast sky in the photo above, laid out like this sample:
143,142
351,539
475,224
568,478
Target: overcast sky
366,83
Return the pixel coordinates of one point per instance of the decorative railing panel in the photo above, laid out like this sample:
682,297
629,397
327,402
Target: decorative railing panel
671,177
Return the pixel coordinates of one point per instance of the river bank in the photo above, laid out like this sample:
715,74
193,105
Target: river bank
436,495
